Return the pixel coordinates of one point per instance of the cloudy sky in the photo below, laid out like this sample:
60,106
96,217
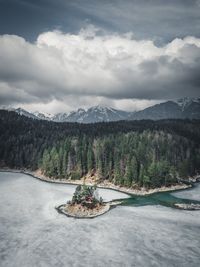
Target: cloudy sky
60,55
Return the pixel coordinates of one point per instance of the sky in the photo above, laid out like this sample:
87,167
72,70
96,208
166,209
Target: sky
57,56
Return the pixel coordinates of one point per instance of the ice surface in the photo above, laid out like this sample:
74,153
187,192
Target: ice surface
193,193
32,233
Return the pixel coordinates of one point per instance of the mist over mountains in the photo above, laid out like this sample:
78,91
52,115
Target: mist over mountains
185,108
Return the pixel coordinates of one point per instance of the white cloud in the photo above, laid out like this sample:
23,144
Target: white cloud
93,66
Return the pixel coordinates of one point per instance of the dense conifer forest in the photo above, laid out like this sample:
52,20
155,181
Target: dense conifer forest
126,153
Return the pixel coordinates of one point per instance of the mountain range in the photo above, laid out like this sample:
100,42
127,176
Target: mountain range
185,108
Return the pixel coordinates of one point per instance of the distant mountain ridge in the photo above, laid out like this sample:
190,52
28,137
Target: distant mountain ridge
97,114
91,115
185,108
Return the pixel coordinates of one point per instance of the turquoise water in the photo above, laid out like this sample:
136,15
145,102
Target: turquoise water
167,199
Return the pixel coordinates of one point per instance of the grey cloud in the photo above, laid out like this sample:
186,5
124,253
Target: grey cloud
182,80
59,66
159,20
149,67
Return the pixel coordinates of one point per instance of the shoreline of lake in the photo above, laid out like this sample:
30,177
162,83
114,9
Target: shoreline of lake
106,185
88,214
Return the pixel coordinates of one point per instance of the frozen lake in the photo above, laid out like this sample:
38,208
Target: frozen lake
32,233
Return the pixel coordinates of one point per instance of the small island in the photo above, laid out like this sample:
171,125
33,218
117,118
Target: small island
85,203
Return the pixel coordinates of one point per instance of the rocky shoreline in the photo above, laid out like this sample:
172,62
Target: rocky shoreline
78,212
184,206
107,185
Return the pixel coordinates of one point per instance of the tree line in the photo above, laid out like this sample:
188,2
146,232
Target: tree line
126,153
149,159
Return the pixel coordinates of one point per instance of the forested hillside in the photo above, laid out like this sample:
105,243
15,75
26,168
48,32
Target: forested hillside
137,153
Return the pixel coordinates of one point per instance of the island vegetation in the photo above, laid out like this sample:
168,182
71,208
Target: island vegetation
85,203
132,154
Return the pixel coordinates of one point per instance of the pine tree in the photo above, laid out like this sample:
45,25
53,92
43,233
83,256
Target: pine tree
90,158
64,165
128,174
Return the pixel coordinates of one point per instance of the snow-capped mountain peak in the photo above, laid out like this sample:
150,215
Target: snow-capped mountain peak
60,117
95,114
183,103
43,116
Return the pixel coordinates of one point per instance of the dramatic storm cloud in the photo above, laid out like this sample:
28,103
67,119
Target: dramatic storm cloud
92,63
126,54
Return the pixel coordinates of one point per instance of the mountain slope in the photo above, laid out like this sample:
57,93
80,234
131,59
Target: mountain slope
192,111
160,111
97,114
185,108
181,109
23,112
92,115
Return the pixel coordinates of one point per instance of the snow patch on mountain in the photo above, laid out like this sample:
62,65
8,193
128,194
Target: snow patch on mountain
183,103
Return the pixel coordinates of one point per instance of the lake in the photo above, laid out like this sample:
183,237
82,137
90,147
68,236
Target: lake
144,232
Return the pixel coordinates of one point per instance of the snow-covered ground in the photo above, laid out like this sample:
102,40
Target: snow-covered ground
32,233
